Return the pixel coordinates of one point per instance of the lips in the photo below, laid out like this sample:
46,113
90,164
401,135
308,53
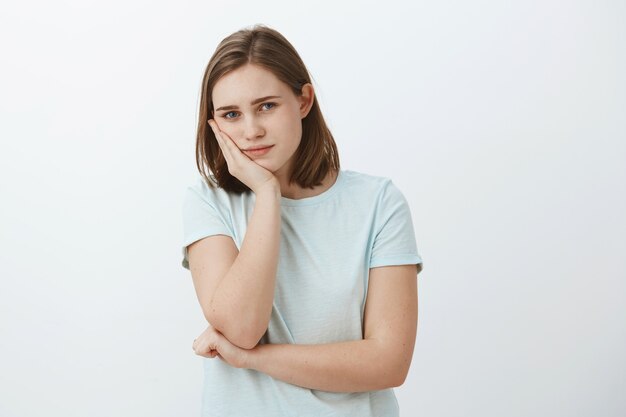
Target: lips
255,148
259,151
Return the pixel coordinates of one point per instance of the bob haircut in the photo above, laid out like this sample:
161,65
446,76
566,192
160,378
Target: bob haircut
260,45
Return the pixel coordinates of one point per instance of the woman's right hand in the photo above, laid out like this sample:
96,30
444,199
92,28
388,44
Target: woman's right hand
240,165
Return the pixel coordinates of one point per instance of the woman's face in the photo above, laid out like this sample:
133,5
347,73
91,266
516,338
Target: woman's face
256,109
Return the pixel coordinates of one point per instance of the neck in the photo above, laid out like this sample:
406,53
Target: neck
295,192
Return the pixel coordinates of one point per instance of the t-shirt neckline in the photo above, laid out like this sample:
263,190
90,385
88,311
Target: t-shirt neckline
284,201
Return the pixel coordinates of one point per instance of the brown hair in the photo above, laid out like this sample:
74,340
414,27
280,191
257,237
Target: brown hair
265,47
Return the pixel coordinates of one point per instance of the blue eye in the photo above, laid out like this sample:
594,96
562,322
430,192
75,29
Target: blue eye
225,115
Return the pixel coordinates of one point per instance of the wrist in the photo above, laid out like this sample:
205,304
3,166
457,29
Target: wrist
270,188
250,359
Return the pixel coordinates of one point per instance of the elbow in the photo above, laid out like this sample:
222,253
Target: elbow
395,371
398,381
245,342
392,372
388,376
245,337
389,380
399,377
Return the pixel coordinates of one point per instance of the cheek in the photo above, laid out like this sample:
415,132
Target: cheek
230,131
291,124
296,131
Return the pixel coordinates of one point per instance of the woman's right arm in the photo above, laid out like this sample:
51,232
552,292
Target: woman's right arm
236,289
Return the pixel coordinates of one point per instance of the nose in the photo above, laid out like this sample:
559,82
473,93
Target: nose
253,129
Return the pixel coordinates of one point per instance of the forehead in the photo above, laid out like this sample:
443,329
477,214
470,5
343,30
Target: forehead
244,84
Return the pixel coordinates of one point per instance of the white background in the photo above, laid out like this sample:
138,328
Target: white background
504,124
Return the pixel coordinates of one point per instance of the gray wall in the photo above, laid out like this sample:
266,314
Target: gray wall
502,122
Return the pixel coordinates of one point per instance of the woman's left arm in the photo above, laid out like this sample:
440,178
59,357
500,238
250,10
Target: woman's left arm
380,360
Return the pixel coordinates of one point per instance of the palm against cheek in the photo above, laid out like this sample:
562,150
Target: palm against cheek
221,136
239,164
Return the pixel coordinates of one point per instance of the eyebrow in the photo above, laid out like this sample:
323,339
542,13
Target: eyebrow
258,100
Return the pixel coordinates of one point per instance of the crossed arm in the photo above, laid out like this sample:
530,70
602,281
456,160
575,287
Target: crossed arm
380,360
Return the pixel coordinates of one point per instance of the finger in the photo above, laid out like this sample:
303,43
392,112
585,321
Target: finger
225,139
222,142
216,133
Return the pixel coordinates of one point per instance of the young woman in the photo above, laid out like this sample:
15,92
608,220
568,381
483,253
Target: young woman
306,273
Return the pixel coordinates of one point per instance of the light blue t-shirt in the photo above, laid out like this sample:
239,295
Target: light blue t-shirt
328,243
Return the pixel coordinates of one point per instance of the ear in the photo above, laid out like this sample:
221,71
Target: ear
307,98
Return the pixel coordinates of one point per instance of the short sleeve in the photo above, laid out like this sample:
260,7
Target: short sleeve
394,237
200,219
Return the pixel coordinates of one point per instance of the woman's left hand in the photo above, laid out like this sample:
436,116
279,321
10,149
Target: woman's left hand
212,343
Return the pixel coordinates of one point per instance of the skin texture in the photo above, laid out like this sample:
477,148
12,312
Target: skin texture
276,121
382,358
235,289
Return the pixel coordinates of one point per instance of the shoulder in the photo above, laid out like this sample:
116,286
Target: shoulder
210,193
200,187
374,186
